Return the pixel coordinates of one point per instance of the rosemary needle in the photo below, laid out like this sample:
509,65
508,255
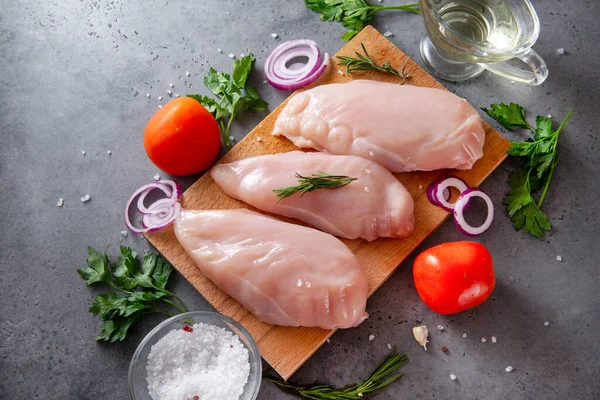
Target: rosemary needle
320,180
383,375
364,62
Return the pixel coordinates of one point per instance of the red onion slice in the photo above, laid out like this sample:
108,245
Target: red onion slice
459,209
282,77
432,197
161,213
446,184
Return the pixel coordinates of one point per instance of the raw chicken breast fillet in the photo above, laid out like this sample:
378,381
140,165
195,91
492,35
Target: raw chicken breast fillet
375,205
284,274
403,127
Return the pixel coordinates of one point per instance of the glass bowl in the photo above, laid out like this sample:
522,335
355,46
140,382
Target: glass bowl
138,387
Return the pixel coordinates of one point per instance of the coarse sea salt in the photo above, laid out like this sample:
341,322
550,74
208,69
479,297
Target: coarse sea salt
207,363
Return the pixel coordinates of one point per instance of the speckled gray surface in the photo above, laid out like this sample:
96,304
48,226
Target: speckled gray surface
74,75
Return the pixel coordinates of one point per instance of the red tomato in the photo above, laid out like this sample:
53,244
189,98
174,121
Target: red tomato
182,138
454,276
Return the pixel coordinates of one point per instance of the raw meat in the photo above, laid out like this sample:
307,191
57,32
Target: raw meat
284,274
375,205
403,127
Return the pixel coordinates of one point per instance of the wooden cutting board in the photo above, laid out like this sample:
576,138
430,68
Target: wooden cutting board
286,348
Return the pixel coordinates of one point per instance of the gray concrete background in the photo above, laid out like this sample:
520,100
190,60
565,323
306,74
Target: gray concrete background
74,75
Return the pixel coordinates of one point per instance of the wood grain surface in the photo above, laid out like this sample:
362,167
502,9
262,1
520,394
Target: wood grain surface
286,348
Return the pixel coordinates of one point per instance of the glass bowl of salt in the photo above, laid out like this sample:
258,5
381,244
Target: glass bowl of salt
198,355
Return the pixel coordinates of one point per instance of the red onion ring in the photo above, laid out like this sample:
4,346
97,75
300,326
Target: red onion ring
161,213
432,197
462,203
282,77
436,192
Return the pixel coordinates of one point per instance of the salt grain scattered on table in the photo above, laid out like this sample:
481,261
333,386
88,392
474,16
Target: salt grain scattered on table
560,51
511,278
85,198
548,115
274,35
157,177
108,152
172,85
169,92
465,334
159,106
83,152
494,340
440,327
60,202
483,340
328,340
216,368
546,323
509,369
453,377
388,34
371,337
159,98
187,73
124,233
389,346
558,258
176,95
148,95
231,55
219,50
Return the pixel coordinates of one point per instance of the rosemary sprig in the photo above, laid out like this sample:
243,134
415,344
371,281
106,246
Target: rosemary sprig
380,378
321,180
366,63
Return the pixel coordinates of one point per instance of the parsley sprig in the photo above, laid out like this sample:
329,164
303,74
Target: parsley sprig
539,159
384,374
234,95
353,14
138,289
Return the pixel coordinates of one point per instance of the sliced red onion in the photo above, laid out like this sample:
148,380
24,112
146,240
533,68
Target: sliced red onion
296,76
432,197
438,195
160,213
459,209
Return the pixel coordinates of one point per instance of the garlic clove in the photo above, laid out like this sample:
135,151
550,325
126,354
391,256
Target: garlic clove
421,334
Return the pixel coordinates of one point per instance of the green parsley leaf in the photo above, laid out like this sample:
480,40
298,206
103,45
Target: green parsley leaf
116,329
235,96
543,127
353,14
511,116
98,269
143,287
241,70
538,159
162,271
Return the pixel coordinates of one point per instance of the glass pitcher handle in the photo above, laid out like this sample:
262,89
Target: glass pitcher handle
537,75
